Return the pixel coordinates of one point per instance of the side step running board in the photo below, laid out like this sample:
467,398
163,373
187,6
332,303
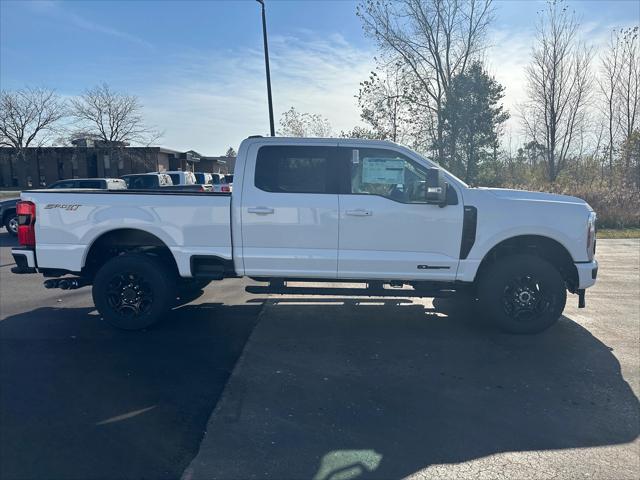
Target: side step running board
280,288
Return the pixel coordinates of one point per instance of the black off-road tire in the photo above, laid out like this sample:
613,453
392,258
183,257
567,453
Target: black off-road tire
133,291
11,223
522,294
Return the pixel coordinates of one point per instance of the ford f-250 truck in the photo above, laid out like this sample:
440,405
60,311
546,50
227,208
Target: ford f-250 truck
331,210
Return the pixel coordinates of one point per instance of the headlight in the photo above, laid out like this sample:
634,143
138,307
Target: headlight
591,236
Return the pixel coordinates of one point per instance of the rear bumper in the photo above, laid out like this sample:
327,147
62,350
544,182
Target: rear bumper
25,259
587,274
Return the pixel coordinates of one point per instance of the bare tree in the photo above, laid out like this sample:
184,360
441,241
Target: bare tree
29,117
112,116
302,124
384,102
435,40
558,87
361,133
231,152
629,84
610,69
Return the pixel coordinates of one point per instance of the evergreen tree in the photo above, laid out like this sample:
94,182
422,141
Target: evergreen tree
473,116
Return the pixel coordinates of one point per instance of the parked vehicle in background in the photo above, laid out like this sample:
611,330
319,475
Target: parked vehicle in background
8,215
99,183
220,184
203,178
229,178
195,187
147,181
180,177
321,210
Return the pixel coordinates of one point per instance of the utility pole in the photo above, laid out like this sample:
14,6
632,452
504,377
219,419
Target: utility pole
266,64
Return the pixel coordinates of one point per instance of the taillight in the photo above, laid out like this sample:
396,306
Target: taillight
26,223
591,236
225,188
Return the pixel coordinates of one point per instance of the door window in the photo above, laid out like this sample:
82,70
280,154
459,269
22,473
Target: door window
386,173
294,170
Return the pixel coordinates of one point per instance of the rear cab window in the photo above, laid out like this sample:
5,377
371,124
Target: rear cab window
142,182
64,184
91,184
296,169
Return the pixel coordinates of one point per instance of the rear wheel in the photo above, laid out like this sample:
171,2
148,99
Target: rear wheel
522,294
11,223
133,291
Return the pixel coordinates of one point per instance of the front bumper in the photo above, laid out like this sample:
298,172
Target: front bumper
587,273
25,259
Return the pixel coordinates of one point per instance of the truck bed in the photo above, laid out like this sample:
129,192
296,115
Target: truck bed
68,222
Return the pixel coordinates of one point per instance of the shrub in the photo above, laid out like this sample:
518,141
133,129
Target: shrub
617,205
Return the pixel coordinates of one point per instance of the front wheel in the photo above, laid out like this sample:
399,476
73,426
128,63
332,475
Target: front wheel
133,291
522,294
11,223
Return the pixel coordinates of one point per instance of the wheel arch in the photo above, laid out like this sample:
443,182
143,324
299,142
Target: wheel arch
539,245
6,213
121,240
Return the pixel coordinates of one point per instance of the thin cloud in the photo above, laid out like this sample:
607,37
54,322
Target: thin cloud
220,98
56,11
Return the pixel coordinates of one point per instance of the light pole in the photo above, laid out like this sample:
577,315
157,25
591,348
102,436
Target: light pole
266,64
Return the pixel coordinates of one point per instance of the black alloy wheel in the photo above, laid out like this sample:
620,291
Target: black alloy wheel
522,293
134,291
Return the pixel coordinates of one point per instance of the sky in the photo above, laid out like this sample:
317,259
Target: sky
198,66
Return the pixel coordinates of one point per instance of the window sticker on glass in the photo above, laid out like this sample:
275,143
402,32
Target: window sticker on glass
387,171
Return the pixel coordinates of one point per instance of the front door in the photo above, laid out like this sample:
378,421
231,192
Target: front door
387,230
290,212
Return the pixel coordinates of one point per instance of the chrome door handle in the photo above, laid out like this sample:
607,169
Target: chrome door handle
260,210
360,212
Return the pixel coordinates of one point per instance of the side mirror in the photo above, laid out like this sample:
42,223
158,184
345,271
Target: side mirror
436,187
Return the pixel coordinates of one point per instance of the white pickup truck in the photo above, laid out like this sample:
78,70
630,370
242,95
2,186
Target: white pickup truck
320,210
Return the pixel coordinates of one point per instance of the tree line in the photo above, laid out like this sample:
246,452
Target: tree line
579,127
33,117
432,91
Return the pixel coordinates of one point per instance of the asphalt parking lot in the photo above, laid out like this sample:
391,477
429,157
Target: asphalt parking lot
81,400
325,388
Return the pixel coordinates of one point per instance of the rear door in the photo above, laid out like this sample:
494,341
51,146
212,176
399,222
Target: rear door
290,212
387,230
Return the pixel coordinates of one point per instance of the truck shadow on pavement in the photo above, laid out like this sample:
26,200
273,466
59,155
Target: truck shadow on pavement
385,388
81,400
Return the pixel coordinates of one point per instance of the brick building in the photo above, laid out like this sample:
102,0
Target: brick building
45,165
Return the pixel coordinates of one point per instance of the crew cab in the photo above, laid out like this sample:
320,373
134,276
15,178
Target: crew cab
320,210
